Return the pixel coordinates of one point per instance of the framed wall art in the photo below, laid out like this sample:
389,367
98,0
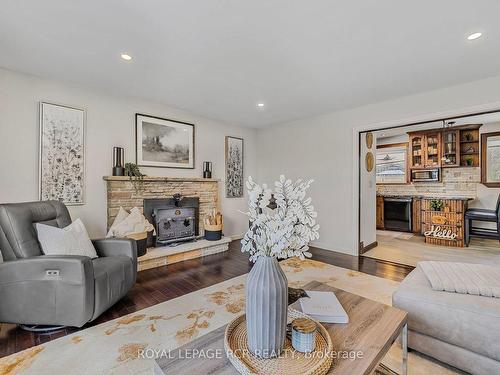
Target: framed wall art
62,153
163,143
234,167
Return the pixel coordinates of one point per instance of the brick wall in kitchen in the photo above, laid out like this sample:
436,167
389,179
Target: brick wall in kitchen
458,182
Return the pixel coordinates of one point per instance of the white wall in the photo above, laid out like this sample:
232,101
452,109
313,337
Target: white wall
368,196
325,148
110,122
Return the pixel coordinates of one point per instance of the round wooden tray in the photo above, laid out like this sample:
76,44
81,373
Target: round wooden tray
290,362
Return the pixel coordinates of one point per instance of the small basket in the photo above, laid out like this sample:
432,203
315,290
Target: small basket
213,232
141,239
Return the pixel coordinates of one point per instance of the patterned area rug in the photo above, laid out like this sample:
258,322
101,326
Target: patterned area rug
113,347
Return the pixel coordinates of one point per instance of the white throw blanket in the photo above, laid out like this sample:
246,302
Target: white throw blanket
465,278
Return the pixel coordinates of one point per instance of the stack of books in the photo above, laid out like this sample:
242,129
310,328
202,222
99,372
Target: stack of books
324,307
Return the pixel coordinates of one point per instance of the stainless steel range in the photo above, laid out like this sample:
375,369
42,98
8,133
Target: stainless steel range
175,219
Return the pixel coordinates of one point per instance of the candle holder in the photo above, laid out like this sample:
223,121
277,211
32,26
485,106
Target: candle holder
118,157
207,169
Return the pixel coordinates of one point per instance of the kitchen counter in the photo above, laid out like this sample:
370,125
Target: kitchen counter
444,227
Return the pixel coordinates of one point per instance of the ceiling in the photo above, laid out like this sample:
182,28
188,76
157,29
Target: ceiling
219,58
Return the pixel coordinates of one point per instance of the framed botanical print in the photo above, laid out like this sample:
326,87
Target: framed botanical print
62,153
163,143
234,167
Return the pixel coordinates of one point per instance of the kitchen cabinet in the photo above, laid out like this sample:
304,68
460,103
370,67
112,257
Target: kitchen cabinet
469,147
452,147
446,226
425,149
380,212
461,147
433,149
417,144
417,215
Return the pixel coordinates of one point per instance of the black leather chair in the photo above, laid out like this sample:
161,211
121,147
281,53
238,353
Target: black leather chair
480,214
53,290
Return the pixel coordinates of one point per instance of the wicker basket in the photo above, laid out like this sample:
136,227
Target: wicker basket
290,362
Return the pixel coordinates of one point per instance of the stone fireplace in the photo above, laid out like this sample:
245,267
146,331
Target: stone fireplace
194,199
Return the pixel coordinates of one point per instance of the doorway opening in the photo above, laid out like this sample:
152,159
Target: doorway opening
419,185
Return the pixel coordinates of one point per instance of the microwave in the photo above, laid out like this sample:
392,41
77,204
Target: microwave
426,175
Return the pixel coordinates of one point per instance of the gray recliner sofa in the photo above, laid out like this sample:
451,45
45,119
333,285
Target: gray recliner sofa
37,289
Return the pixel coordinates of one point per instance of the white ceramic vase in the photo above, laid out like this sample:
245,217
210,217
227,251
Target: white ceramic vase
266,308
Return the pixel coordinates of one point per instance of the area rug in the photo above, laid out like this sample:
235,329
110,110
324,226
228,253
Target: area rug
114,347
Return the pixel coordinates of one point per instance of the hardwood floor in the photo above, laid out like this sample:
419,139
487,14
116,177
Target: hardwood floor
410,249
162,284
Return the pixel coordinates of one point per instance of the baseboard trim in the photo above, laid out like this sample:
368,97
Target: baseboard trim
366,248
236,237
332,247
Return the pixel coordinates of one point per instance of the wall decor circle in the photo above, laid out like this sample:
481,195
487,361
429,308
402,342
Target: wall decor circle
369,140
369,161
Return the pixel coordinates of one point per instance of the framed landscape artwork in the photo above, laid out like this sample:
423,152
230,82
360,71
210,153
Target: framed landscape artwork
163,143
234,167
62,153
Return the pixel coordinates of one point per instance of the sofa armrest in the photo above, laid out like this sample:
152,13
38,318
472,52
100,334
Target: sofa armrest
109,247
71,269
49,290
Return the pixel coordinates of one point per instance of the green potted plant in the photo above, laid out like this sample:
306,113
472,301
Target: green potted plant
469,160
135,175
436,205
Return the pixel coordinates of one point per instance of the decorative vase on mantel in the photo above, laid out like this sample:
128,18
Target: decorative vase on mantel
266,308
280,232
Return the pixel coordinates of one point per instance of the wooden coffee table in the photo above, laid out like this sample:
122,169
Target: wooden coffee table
372,329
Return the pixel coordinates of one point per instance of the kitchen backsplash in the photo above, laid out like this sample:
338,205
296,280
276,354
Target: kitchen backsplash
459,182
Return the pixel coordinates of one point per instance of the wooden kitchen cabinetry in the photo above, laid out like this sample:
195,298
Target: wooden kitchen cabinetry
425,149
452,147
416,218
469,146
461,146
446,227
380,212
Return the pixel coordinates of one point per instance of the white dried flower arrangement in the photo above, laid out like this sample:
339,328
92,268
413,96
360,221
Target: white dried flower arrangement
285,231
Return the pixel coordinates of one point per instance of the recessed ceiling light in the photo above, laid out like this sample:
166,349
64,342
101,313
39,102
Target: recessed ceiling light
474,36
126,57
260,105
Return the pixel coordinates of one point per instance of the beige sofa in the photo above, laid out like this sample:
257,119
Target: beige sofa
458,329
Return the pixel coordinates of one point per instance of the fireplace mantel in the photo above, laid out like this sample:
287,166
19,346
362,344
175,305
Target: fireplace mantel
162,179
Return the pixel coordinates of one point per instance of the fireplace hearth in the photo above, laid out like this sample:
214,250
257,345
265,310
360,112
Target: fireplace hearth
175,219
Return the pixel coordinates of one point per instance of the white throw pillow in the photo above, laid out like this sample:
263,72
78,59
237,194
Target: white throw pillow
134,223
71,240
122,215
